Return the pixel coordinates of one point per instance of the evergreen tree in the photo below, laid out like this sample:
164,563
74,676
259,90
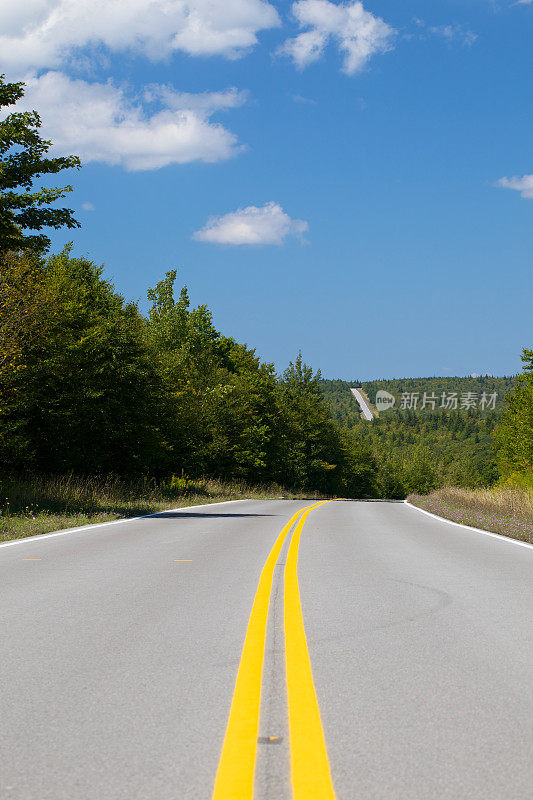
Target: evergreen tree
23,160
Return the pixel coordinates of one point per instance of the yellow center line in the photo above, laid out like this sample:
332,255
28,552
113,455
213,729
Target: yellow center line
235,774
310,771
182,559
32,559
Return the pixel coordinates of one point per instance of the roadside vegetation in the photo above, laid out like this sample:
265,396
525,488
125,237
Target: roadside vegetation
506,507
502,510
36,504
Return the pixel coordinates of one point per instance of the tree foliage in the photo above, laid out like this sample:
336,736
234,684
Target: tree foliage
514,434
98,387
22,161
89,384
418,450
84,391
22,302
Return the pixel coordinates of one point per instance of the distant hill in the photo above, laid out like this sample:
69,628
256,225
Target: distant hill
426,447
345,409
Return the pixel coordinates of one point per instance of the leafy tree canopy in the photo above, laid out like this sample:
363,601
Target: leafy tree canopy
22,161
514,434
81,393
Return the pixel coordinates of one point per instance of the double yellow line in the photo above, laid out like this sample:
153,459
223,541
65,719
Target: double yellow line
310,772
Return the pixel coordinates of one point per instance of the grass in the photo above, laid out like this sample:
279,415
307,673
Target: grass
506,511
38,504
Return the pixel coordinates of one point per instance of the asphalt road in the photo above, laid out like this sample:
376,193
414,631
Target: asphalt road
363,405
121,648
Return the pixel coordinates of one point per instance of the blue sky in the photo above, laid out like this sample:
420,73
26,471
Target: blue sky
359,148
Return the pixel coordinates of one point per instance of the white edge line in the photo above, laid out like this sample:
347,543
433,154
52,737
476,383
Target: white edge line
499,536
81,528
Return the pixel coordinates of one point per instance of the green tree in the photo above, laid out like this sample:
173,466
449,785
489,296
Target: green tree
87,398
242,417
514,434
22,301
222,397
419,476
24,308
317,454
185,350
22,161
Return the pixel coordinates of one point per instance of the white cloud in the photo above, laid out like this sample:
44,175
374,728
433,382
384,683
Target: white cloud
457,32
252,225
87,206
298,98
206,103
44,33
358,34
524,185
98,122
449,32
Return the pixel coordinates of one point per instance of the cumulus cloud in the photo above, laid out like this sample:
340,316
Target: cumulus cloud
99,122
253,225
357,33
45,33
87,206
523,184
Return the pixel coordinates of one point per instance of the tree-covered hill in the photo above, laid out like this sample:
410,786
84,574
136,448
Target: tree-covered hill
426,447
345,409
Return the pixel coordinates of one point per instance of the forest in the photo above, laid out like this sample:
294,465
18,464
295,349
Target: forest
417,450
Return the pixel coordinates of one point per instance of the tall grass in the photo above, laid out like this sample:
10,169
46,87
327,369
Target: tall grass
508,511
37,504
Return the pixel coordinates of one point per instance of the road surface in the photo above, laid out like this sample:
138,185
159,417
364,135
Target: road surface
125,647
363,405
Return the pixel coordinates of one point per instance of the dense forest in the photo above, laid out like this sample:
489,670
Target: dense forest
345,409
417,449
